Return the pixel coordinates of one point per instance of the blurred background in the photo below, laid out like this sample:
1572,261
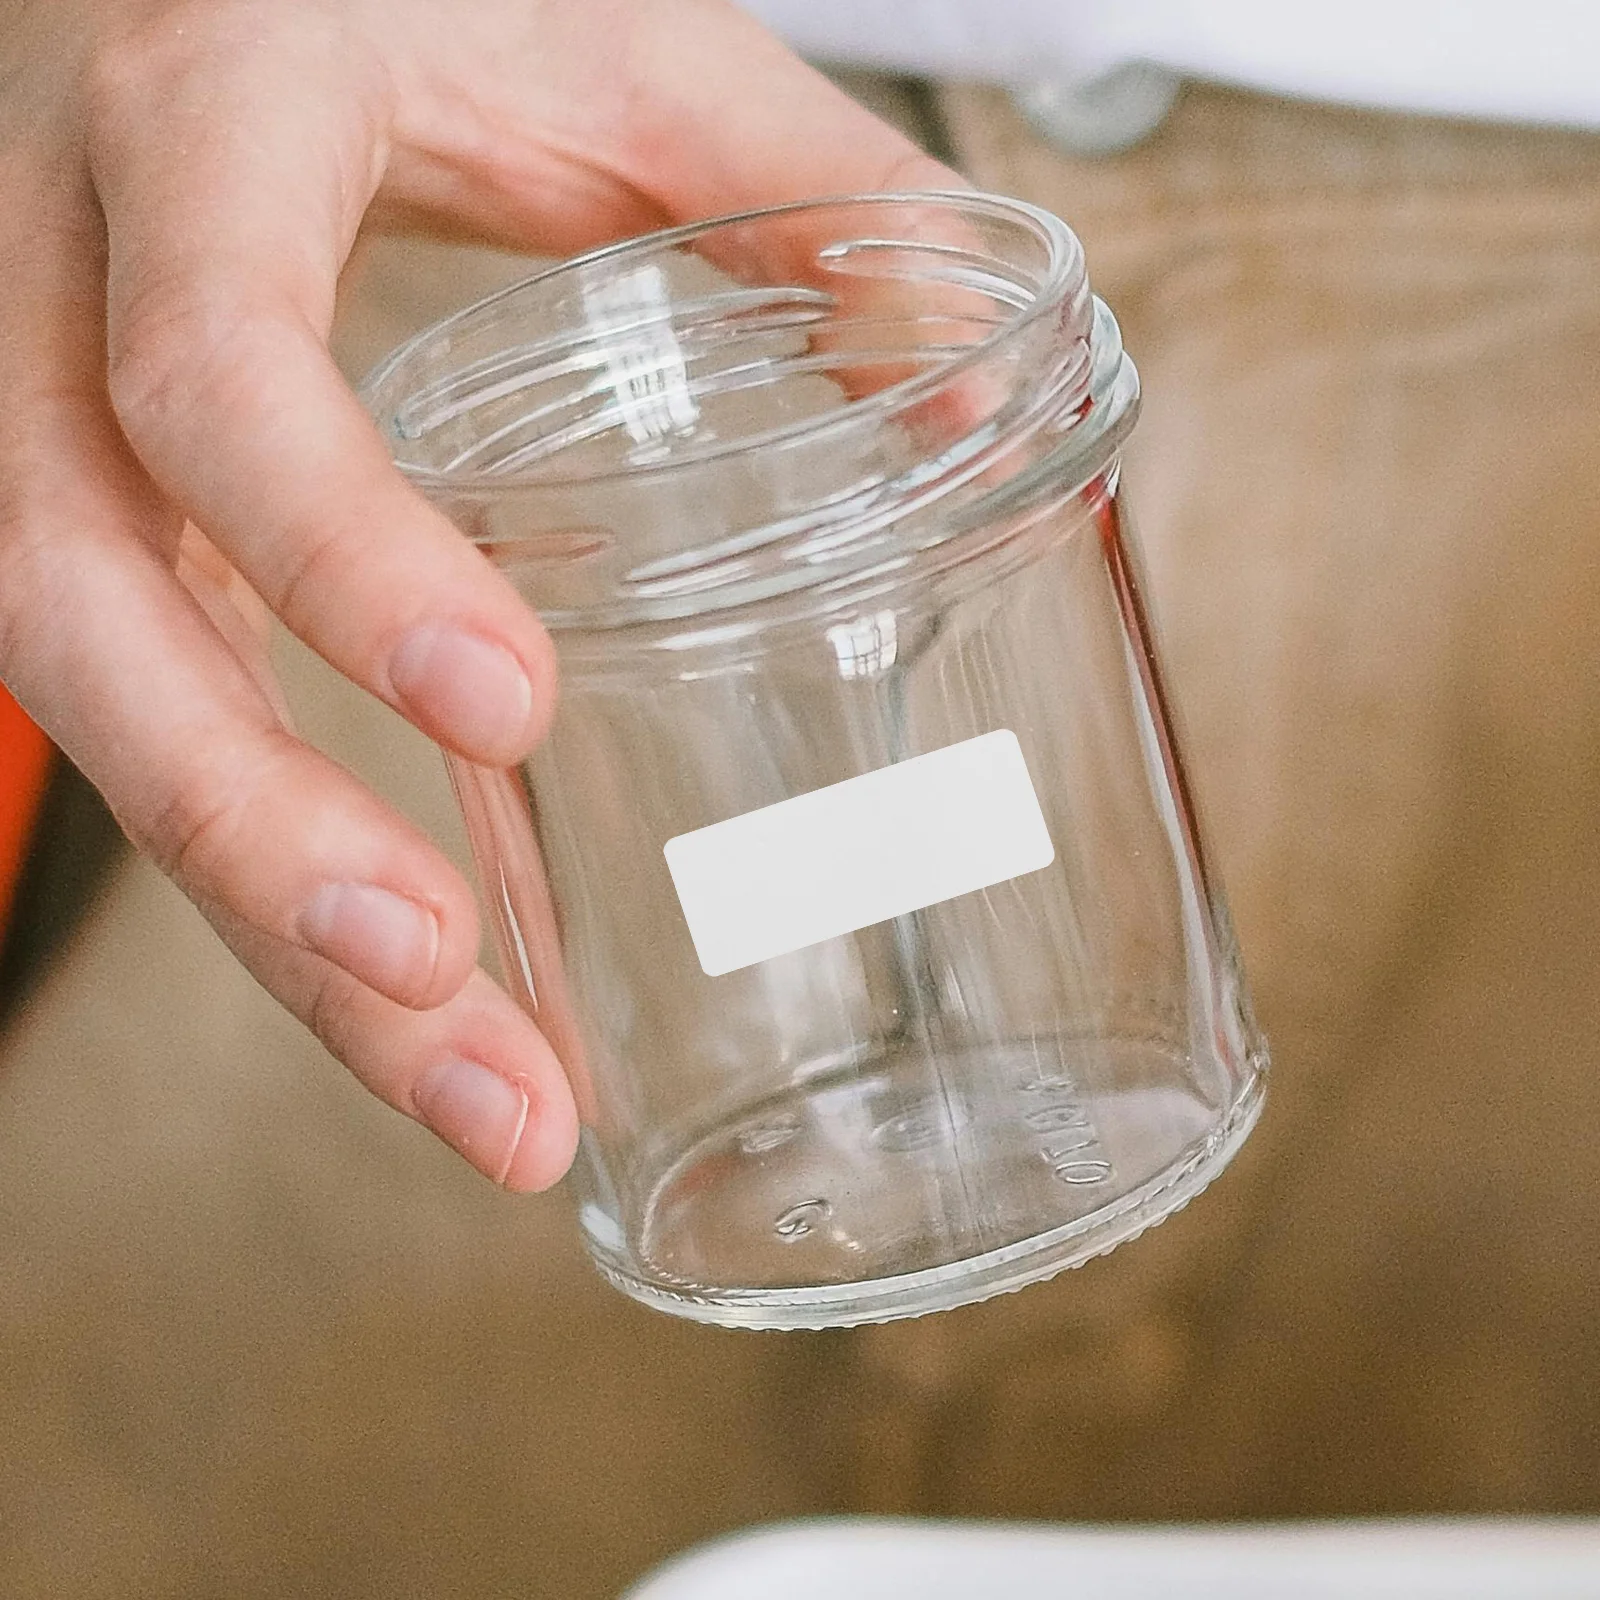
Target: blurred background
260,1336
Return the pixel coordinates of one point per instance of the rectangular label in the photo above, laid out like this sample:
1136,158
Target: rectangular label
859,852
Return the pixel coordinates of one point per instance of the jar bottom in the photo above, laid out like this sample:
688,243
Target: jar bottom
865,1194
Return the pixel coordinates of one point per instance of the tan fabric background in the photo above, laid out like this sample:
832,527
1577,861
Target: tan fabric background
260,1337
1369,479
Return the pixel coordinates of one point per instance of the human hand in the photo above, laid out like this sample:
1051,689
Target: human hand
183,181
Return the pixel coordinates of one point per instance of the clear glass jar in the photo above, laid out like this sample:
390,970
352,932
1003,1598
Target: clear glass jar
858,884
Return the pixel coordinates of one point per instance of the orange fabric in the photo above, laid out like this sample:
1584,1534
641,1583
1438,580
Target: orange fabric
25,756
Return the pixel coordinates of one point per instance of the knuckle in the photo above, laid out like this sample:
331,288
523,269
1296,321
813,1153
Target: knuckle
169,358
332,1006
193,836
317,565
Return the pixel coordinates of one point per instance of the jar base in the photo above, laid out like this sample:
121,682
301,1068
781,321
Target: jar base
900,1194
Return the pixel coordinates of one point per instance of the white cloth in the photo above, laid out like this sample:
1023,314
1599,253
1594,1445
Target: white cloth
1518,60
1509,1559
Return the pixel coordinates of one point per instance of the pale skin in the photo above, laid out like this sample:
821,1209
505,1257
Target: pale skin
190,179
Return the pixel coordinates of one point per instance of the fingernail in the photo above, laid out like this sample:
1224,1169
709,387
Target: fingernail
474,693
382,938
476,1112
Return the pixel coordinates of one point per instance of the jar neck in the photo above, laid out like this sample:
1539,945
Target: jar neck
716,416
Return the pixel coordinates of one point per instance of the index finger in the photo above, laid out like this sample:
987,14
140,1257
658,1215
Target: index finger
223,256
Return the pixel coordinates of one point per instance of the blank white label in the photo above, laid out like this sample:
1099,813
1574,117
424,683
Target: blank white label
859,852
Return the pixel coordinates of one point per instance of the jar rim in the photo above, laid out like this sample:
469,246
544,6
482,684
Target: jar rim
384,393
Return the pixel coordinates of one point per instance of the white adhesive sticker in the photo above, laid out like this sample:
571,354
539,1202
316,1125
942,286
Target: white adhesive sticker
859,852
